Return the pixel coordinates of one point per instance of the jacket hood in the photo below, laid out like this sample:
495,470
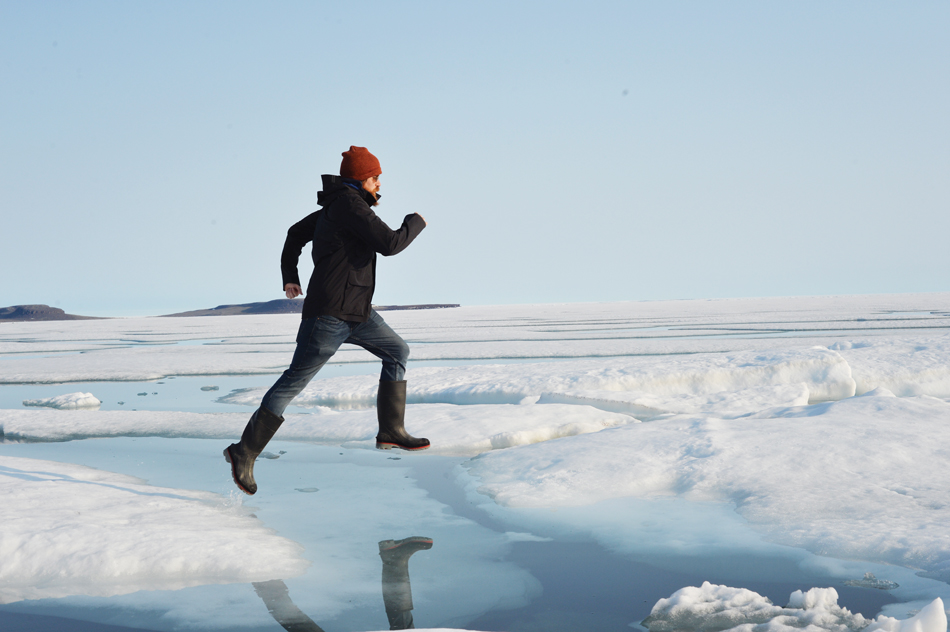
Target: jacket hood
334,186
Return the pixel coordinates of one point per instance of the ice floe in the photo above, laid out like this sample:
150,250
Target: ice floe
856,477
70,401
713,608
70,529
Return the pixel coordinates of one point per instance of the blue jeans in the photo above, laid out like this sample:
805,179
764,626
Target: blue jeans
319,338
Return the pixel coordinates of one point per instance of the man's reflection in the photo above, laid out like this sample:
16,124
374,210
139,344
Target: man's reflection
397,593
279,605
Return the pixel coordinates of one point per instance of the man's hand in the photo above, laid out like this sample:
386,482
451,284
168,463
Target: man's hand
292,290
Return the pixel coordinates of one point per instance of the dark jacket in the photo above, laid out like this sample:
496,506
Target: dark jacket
346,236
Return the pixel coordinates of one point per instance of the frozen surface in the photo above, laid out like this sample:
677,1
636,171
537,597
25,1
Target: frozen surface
711,607
824,373
70,529
807,429
139,349
856,477
70,401
454,430
725,404
359,498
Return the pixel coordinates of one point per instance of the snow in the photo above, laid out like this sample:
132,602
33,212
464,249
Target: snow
724,404
806,429
714,607
66,402
454,430
69,529
856,477
824,373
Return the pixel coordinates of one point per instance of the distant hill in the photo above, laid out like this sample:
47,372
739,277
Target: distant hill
21,313
285,306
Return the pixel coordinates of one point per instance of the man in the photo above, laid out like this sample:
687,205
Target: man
346,236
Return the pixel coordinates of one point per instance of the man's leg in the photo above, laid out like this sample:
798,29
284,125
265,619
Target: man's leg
379,339
317,340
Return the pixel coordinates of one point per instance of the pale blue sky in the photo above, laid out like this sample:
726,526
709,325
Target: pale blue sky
154,154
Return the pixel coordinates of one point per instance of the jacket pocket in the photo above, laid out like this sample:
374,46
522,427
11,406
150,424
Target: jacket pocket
358,292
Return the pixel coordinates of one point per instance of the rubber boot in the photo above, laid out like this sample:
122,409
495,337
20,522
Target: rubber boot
391,412
259,430
282,608
397,593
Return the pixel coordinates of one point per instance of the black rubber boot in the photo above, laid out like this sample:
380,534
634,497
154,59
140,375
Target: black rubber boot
259,430
397,593
391,412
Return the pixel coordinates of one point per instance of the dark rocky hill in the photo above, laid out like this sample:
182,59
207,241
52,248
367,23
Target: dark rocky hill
285,306
18,313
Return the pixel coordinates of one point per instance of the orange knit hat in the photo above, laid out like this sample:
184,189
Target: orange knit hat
359,164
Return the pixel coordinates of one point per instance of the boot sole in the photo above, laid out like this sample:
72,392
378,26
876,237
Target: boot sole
399,543
389,446
227,457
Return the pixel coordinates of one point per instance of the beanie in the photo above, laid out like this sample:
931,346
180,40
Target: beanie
359,164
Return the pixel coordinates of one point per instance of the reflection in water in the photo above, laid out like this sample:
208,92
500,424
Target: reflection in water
278,602
397,593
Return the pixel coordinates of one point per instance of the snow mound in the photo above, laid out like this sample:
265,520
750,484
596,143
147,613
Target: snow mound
853,479
453,430
712,608
74,530
904,366
724,404
824,373
72,401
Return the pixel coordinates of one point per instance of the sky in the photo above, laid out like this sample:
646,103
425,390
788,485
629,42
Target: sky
153,154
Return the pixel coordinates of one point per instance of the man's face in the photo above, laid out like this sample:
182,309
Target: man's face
371,184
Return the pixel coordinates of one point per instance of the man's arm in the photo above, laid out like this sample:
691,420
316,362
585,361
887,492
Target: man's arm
297,237
374,231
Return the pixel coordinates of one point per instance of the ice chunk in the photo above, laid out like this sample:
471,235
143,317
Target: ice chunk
712,608
72,401
815,598
931,618
74,530
870,581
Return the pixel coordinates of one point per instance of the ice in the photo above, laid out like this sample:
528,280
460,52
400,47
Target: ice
823,373
870,581
806,429
905,366
712,608
725,404
454,430
856,477
69,529
364,498
139,349
71,401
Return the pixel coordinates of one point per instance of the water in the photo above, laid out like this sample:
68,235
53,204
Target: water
473,576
